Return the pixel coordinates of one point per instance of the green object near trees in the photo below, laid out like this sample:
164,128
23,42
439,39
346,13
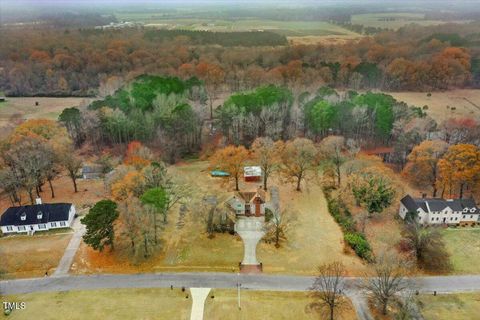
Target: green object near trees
155,197
99,223
374,192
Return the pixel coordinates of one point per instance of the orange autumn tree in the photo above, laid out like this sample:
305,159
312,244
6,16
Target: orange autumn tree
132,184
422,167
43,130
230,159
460,168
137,155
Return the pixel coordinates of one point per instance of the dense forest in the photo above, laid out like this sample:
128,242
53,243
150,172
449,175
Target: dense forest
64,62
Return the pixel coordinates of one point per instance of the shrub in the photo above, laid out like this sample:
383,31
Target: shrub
359,244
340,213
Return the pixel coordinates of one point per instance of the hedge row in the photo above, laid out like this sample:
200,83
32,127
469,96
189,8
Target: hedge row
356,240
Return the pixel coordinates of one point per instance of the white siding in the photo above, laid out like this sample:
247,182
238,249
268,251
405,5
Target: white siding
42,227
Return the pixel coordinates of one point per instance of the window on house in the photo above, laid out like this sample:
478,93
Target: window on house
53,224
21,228
23,216
471,216
9,228
42,226
62,223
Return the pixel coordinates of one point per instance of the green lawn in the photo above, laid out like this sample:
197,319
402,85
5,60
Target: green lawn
463,244
463,306
103,304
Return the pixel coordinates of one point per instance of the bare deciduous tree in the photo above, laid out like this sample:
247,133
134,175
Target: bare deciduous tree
267,153
298,159
278,225
328,288
386,280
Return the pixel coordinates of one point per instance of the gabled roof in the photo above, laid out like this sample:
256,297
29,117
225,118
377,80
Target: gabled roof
437,204
409,203
51,212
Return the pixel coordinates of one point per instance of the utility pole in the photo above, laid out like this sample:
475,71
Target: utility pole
238,286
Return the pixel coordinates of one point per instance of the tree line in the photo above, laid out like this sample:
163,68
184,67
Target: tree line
57,63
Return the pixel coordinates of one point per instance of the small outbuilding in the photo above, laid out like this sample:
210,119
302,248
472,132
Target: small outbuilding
219,173
253,173
92,171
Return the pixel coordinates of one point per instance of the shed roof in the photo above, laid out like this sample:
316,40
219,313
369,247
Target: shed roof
253,171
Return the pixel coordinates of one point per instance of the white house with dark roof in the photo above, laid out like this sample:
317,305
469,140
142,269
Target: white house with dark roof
437,211
38,217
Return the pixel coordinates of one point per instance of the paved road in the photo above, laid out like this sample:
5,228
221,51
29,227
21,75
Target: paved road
441,284
69,254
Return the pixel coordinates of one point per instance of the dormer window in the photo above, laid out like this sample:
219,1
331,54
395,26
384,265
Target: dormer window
39,215
23,216
465,210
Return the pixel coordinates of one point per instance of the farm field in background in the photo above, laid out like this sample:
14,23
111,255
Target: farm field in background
395,20
466,103
289,28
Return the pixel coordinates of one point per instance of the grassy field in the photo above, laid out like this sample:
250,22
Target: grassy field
463,244
465,101
15,110
165,304
325,39
289,28
103,304
393,20
25,256
314,239
463,306
48,108
258,305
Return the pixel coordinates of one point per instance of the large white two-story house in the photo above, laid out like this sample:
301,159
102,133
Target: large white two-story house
437,211
38,217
